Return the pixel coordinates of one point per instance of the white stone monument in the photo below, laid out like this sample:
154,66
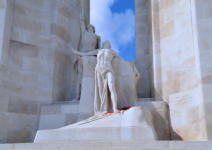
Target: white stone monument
121,78
105,90
105,121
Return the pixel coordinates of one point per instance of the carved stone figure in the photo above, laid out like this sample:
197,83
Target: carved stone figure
105,91
88,41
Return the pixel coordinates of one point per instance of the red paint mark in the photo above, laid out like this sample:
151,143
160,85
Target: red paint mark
125,108
108,113
122,109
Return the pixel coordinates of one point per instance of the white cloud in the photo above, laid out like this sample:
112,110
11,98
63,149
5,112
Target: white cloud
116,27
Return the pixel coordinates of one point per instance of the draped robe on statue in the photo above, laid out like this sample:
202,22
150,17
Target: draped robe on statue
102,98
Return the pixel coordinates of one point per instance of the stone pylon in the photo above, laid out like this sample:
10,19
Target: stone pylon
85,10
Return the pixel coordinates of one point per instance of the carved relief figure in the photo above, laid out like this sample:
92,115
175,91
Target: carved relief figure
88,41
105,90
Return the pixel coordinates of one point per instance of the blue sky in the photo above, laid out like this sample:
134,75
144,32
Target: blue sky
114,21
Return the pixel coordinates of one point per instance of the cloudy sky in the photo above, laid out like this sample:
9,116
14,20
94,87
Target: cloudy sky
114,21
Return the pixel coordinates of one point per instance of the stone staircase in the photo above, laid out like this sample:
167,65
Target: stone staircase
111,145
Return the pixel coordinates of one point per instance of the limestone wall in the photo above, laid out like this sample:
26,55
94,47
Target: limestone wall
177,67
65,34
143,51
155,48
180,47
5,25
85,10
204,22
36,64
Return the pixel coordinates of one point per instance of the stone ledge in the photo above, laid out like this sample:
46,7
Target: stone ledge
111,145
63,113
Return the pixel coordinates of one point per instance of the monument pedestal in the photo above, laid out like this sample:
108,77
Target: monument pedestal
132,124
111,145
63,114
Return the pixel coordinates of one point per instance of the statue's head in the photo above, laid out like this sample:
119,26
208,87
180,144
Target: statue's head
91,28
107,45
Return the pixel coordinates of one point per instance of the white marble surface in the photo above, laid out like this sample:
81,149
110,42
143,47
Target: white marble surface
133,124
178,65
143,49
126,91
37,63
62,114
111,145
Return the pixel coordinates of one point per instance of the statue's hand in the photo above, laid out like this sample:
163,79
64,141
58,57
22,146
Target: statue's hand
88,53
74,51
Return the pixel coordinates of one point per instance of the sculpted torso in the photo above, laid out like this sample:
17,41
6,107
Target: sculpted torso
104,60
105,82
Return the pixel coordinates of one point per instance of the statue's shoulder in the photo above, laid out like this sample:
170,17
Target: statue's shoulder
101,51
105,50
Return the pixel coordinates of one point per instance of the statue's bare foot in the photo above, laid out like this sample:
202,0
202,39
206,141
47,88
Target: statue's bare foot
116,111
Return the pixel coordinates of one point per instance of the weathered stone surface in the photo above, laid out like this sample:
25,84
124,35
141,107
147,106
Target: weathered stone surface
204,22
58,115
70,111
36,59
143,51
177,66
126,125
111,145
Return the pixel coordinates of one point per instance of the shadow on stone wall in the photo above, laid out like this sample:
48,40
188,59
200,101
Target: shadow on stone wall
161,124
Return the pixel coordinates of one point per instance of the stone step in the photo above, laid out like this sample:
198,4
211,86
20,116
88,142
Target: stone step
111,145
132,124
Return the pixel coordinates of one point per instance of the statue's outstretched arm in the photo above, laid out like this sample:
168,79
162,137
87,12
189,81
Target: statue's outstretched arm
89,53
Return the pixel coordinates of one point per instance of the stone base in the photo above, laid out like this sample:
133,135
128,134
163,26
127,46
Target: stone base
58,115
133,124
66,113
111,145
